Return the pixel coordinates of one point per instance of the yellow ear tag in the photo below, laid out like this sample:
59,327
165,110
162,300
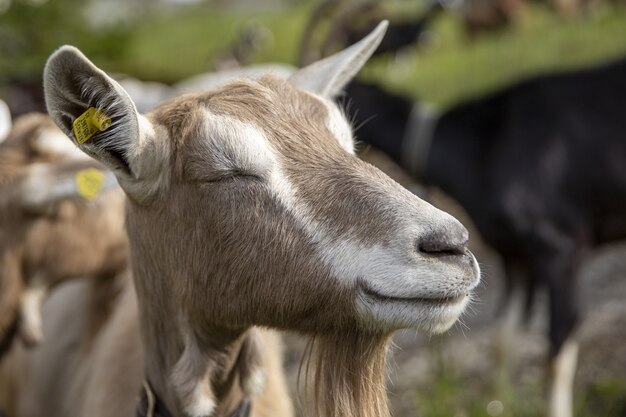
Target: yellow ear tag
90,123
89,182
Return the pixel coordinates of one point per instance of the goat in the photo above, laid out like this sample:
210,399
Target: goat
538,166
48,221
228,232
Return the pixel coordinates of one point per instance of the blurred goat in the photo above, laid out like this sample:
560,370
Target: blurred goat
539,167
53,203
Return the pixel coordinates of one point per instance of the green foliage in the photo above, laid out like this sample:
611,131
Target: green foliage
454,394
163,44
168,44
172,46
605,397
29,33
456,67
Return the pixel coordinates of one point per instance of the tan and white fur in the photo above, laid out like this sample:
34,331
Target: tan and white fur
247,207
47,228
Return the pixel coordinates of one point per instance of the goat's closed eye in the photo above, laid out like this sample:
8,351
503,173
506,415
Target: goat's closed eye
234,176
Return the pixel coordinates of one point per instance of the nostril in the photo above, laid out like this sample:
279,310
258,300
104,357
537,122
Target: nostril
442,244
440,250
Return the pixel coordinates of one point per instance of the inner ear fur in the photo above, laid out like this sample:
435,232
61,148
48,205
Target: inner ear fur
73,84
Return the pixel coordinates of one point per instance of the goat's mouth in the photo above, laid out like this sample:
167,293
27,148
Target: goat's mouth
433,301
431,314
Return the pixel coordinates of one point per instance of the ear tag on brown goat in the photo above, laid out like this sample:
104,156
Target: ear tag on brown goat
89,182
90,123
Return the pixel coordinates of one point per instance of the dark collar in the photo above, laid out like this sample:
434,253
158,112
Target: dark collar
6,340
150,405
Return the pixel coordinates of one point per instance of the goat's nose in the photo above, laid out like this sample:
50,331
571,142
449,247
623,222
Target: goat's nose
452,240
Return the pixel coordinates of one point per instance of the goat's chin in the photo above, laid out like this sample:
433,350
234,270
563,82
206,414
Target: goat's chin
429,316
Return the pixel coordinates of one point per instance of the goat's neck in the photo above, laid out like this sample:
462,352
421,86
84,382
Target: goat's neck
179,363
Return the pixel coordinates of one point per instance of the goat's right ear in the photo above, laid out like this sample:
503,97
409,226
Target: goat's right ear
75,88
330,75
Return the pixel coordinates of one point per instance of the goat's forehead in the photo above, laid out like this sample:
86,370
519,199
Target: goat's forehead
272,106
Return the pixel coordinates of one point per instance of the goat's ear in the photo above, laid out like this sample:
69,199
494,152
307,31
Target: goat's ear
330,75
75,88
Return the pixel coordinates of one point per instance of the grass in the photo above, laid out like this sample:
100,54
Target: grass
175,46
163,45
452,394
454,67
171,45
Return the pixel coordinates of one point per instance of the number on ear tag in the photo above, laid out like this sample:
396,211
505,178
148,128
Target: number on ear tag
90,123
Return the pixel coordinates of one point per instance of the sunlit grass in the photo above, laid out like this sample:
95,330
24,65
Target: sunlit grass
170,47
455,67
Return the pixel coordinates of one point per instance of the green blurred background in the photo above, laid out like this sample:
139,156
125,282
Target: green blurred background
169,41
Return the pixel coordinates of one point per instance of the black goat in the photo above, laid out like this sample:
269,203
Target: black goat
400,34
347,27
540,167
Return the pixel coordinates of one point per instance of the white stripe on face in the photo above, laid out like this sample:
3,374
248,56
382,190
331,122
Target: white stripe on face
235,146
240,146
395,269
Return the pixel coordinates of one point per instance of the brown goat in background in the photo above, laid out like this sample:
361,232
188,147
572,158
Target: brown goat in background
48,223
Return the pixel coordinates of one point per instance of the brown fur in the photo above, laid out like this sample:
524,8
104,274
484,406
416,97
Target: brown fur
317,165
93,369
68,234
349,369
59,244
60,378
19,148
227,235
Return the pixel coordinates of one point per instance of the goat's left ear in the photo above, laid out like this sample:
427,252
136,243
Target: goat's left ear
92,109
330,75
